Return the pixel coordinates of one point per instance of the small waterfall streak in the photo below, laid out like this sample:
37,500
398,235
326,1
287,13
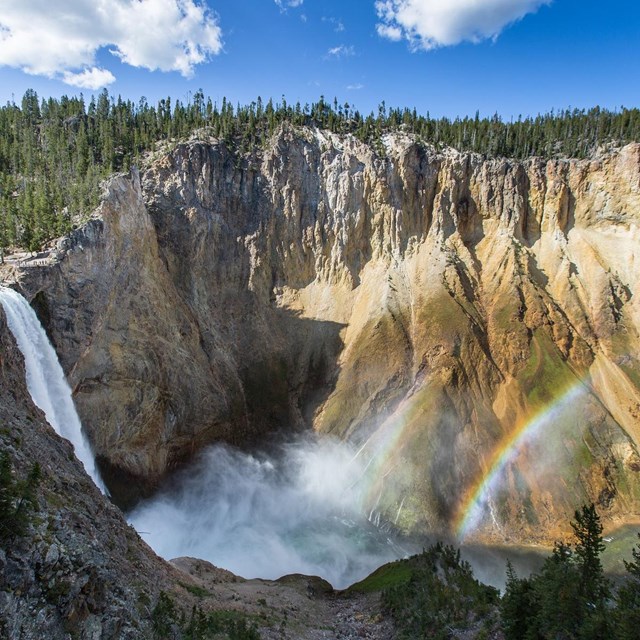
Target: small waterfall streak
45,378
399,512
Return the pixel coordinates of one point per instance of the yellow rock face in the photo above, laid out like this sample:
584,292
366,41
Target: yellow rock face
471,325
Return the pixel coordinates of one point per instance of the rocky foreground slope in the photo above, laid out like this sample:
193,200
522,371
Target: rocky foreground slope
79,567
429,307
79,571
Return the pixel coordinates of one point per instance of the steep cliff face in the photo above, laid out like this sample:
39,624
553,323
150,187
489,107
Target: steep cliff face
79,569
471,324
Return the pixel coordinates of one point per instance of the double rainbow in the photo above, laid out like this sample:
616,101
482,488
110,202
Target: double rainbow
379,449
477,499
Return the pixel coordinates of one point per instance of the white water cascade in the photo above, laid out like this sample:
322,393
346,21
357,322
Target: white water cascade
45,378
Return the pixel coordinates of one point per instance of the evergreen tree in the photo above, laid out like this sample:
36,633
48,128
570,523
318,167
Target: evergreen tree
557,594
587,529
568,598
61,149
518,607
627,614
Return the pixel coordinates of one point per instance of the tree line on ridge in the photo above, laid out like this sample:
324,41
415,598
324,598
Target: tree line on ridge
54,153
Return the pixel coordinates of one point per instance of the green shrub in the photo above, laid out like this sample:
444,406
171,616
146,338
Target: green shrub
195,590
17,499
440,595
164,617
232,624
170,622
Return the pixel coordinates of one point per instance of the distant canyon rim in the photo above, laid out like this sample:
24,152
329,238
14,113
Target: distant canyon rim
470,326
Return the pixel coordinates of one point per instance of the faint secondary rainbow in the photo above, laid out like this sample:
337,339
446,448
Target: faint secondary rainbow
378,450
477,499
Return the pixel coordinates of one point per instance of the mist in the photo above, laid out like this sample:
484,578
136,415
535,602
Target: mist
264,516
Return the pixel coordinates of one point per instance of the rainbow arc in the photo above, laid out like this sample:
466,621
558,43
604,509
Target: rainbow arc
478,499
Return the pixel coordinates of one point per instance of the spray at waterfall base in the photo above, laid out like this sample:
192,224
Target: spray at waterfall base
267,516
305,511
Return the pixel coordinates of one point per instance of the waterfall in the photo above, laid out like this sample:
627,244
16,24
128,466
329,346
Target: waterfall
45,378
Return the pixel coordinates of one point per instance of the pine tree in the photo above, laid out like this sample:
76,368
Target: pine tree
518,608
560,611
568,598
587,529
627,614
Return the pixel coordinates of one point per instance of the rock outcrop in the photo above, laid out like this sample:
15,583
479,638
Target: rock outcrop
79,568
439,310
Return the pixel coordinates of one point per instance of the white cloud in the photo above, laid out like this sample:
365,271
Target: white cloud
341,51
283,4
93,78
42,38
355,87
389,31
429,24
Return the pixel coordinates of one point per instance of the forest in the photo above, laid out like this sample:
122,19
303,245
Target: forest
435,594
54,153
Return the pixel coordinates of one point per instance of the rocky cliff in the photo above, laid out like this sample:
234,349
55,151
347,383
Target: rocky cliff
471,324
79,568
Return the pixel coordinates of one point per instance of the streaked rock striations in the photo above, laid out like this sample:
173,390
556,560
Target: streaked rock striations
426,306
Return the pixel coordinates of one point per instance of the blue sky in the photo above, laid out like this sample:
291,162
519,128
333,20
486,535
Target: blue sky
449,57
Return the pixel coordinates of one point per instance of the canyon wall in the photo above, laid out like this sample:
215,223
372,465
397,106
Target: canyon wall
470,325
